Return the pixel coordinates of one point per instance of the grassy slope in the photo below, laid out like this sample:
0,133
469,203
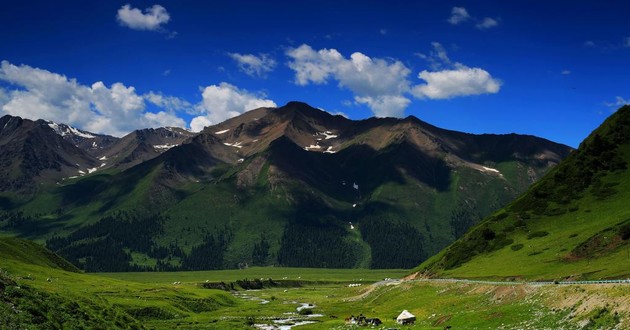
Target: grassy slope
47,294
580,218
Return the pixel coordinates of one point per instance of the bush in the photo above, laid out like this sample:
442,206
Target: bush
624,231
305,311
516,247
537,234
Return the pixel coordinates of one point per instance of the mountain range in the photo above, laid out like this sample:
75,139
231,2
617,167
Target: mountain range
292,185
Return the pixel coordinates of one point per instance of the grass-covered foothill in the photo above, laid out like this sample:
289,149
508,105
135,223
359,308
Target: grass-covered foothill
573,223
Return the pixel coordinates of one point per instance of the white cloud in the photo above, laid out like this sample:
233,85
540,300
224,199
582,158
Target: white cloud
437,58
151,20
448,79
589,43
487,23
170,103
383,85
619,102
385,105
376,82
224,101
252,65
383,31
626,42
459,15
566,72
461,81
41,94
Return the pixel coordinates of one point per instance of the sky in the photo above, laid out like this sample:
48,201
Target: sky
554,69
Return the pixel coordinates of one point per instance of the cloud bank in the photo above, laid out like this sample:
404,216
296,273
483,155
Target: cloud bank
114,110
378,83
383,85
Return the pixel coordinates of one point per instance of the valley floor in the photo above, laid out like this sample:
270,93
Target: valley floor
323,299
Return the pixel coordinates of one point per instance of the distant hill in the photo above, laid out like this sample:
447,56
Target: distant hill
293,186
573,223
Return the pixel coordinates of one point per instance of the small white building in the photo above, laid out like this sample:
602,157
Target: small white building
405,318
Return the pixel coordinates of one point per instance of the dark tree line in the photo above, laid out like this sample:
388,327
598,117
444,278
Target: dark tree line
395,244
260,253
209,254
104,245
305,245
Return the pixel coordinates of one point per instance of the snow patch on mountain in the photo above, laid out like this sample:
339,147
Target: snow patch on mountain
235,144
328,135
312,146
222,132
164,146
64,130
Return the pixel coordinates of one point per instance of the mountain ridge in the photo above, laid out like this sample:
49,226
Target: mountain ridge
275,176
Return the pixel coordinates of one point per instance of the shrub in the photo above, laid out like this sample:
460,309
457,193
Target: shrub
537,234
624,231
516,247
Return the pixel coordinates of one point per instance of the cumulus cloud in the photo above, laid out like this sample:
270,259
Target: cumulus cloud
448,79
224,101
151,20
378,83
462,81
382,84
252,65
487,23
41,94
459,15
385,105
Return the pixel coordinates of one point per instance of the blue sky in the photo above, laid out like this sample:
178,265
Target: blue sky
554,69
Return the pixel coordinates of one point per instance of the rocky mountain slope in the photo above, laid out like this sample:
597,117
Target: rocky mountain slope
39,152
292,185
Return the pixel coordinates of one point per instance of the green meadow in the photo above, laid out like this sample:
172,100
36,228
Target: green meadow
48,293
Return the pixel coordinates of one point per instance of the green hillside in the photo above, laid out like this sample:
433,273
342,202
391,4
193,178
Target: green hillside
573,223
39,290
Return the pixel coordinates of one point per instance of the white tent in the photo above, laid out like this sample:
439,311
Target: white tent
405,318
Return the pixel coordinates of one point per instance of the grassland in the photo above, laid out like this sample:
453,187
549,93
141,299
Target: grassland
38,287
276,273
